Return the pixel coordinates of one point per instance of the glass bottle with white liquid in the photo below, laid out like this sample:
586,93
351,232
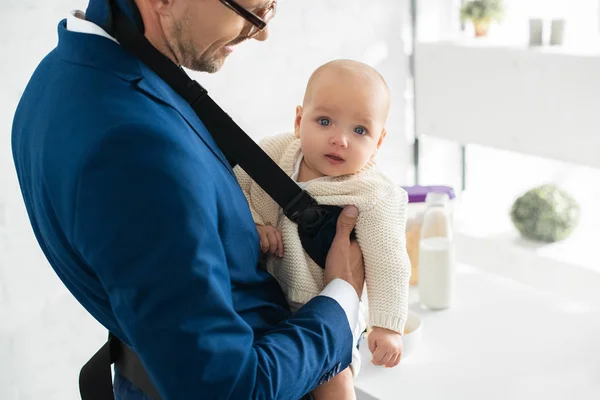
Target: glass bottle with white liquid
436,254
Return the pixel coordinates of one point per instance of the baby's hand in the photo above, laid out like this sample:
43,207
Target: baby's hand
386,347
270,240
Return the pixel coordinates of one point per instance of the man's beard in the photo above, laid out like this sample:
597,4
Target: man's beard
183,46
206,64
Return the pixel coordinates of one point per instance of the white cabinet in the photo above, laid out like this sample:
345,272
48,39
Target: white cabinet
541,102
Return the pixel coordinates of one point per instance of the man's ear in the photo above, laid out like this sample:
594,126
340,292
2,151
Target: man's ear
383,133
297,121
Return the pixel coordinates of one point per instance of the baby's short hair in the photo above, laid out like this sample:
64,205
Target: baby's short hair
350,66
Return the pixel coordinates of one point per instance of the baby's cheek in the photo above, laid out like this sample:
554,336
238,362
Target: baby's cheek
358,162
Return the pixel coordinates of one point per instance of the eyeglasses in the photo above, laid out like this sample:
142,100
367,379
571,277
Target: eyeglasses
258,19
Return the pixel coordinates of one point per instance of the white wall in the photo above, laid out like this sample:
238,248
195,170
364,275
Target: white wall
262,95
45,336
437,19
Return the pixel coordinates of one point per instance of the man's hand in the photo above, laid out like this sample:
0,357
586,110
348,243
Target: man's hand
270,240
386,347
344,259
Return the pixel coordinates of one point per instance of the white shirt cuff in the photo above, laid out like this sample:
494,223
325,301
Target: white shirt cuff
343,292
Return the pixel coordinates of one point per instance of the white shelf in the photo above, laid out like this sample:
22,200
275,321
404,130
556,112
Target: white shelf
541,102
590,50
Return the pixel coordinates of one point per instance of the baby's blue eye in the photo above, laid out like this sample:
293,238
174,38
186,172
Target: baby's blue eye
324,121
360,130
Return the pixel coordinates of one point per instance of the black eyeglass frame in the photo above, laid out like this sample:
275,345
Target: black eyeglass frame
257,21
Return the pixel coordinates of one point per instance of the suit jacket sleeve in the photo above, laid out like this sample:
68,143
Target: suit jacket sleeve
147,224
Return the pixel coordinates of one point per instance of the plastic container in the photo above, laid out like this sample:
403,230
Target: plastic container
416,209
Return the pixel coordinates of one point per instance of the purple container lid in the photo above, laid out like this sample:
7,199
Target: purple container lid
417,194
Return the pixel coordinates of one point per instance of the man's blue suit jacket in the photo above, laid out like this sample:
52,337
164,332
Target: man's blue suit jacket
139,214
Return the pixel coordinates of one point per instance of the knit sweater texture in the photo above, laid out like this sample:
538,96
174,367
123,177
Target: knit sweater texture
380,232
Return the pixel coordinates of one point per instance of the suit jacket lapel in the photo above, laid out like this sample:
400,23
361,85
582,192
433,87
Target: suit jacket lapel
155,87
101,53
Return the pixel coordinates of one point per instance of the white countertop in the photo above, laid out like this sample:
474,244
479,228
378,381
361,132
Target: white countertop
500,340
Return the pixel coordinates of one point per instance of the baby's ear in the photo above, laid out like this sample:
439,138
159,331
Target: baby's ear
297,121
383,133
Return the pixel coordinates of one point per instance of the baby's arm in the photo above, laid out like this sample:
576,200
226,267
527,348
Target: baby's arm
381,235
270,238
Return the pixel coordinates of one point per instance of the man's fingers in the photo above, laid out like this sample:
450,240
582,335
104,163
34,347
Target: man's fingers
346,221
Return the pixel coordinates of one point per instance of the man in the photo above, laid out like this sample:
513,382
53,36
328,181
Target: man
140,215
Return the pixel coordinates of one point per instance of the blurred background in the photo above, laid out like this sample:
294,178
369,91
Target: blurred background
492,99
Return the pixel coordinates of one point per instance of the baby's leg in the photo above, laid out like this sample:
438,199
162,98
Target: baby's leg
341,387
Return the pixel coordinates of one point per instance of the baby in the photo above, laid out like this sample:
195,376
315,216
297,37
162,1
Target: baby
337,132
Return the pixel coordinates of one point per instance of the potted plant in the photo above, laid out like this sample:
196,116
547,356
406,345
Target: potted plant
481,13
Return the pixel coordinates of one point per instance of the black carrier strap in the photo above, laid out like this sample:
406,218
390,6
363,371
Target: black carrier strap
95,378
235,144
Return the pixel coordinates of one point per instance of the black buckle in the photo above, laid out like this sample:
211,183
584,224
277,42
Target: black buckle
298,204
312,219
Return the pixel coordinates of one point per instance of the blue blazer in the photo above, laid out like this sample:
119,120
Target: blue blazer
141,217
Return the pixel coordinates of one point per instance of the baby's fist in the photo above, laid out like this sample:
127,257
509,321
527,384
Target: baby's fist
386,347
271,240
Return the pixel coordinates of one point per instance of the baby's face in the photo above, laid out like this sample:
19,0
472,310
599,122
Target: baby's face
341,125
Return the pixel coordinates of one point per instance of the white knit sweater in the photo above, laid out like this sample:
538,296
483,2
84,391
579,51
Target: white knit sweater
380,232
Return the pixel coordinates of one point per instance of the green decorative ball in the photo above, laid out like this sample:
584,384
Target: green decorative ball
545,214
